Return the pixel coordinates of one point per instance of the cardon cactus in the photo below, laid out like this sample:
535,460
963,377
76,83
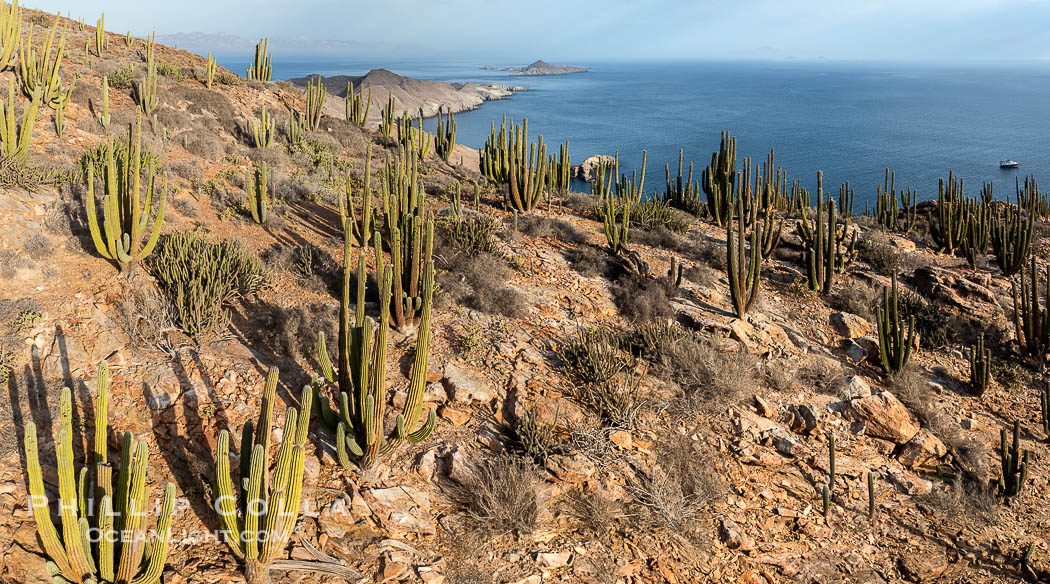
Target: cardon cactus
717,180
357,105
261,67
125,214
1014,463
360,229
262,129
386,125
361,374
92,506
10,32
824,242
948,223
39,71
1011,236
895,340
1032,321
259,516
980,367
743,268
315,96
408,233
15,138
257,187
445,136
209,71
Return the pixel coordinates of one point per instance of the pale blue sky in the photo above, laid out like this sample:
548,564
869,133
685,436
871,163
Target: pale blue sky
980,31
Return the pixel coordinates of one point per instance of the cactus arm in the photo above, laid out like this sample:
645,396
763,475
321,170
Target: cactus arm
67,491
255,486
157,224
227,502
107,538
39,502
137,506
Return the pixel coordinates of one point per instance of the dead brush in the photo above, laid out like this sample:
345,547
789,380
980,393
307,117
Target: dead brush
498,496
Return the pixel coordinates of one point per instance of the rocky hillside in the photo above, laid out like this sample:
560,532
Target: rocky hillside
542,67
413,95
594,424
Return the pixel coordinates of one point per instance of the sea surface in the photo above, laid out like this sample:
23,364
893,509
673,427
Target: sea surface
850,120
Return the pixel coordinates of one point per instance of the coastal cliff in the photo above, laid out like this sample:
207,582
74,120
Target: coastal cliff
412,95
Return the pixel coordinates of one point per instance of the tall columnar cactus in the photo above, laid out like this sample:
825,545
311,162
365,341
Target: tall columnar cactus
357,105
977,218
263,129
846,200
359,229
100,35
41,70
606,173
10,32
259,516
682,192
146,90
948,222
895,339
413,138
616,221
528,170
1011,235
15,138
445,136
408,233
261,67
295,129
150,43
980,367
257,187
1044,407
361,375
494,157
103,115
1032,321
209,71
315,96
128,39
125,214
744,268
91,505
389,116
824,242
1014,463
831,461
886,210
717,180
559,170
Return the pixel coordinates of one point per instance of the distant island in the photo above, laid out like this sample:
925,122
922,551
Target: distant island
542,67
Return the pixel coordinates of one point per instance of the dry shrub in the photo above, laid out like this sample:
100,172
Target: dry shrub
189,170
579,203
702,275
498,496
641,299
204,144
651,339
963,500
292,331
547,228
597,514
143,316
615,401
173,119
11,261
185,207
710,378
681,486
876,249
858,297
38,247
589,261
480,282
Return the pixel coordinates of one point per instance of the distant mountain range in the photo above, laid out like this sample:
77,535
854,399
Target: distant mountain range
221,43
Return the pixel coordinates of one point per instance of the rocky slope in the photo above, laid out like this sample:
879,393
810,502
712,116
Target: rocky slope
712,474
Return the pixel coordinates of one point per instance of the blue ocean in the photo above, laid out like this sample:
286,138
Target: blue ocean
849,120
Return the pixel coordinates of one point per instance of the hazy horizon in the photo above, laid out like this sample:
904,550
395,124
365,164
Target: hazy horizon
939,31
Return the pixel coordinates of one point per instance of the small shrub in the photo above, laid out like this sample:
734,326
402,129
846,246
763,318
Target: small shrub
579,203
537,440
480,282
202,279
38,247
597,513
651,339
473,234
937,325
7,362
858,297
143,316
679,488
27,319
615,401
709,377
170,71
227,78
10,261
649,215
876,249
702,275
589,261
498,496
546,228
122,78
594,356
641,299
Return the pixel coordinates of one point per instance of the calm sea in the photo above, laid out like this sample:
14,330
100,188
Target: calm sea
849,120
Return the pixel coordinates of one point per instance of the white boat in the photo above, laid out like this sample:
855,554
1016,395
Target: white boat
1009,164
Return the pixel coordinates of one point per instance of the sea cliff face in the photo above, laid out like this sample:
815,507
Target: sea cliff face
413,95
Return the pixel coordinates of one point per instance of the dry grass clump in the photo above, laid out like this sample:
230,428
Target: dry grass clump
616,402
479,282
857,297
548,228
596,513
709,377
38,247
679,488
498,496
579,203
641,299
143,315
